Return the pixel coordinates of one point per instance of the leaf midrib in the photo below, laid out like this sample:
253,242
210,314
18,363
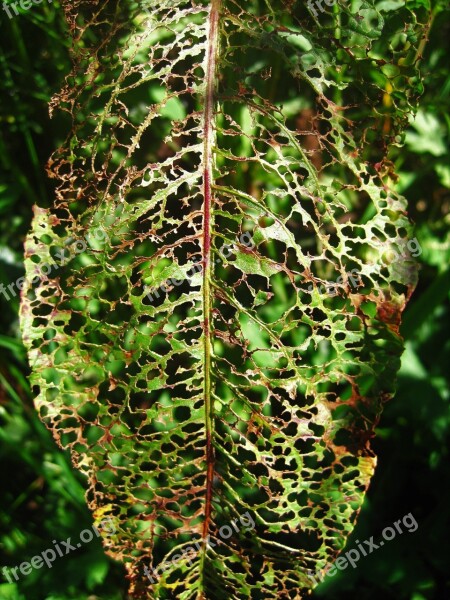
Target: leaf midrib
208,119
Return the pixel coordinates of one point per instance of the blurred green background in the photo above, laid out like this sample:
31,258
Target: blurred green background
43,497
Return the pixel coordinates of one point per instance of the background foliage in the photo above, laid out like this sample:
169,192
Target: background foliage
43,499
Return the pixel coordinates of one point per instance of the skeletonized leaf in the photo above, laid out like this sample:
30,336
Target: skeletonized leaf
212,304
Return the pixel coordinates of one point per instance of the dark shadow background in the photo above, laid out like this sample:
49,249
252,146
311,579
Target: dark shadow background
42,497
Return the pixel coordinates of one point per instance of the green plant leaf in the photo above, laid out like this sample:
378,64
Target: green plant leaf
211,331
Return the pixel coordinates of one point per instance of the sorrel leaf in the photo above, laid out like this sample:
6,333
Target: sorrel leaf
212,303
